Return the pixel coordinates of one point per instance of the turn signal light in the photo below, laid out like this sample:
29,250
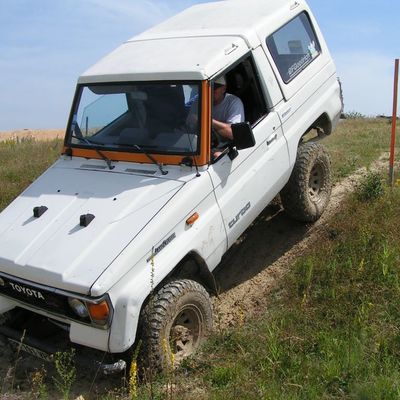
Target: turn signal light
99,312
192,219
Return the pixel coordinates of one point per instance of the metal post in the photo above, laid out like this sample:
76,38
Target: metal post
394,121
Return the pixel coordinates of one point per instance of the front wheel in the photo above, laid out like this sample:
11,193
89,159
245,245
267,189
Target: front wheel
307,194
173,324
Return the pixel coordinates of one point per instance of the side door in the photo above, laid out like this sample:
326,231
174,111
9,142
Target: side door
245,185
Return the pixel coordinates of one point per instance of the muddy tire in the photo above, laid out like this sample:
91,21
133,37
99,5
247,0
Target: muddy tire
308,191
173,325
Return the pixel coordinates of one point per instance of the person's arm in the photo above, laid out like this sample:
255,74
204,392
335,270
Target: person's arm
223,129
235,114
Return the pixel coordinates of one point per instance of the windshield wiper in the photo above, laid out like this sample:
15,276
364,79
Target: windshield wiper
100,153
142,150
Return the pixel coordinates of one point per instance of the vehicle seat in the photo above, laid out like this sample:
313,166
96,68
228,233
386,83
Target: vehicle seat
239,85
243,86
165,108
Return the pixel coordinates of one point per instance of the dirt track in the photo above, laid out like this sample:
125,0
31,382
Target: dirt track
265,252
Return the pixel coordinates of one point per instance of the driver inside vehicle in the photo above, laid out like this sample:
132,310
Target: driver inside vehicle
227,109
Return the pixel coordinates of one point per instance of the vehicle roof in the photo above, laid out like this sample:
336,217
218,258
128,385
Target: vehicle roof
229,17
194,44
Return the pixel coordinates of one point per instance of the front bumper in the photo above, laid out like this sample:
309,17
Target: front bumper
46,351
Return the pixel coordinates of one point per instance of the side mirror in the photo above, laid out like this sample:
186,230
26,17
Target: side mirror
243,137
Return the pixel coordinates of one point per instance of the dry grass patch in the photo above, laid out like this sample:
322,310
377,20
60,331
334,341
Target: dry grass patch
35,134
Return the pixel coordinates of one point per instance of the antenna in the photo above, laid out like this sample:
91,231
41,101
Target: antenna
193,156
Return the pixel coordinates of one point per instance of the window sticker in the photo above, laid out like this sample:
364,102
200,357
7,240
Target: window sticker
292,71
313,51
294,46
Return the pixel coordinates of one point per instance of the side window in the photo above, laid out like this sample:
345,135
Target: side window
243,82
294,46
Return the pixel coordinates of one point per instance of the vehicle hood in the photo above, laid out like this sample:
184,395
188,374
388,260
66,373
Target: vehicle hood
54,249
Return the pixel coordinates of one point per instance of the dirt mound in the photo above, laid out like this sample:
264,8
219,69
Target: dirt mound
36,134
265,252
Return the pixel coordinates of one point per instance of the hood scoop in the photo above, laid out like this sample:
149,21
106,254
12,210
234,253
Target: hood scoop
39,211
93,166
86,219
140,171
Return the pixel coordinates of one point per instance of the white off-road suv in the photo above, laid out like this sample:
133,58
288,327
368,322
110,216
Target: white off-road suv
116,242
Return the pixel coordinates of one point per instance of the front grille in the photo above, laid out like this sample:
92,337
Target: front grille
36,296
44,298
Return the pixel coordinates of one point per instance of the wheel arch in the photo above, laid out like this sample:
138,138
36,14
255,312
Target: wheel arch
192,266
322,125
129,304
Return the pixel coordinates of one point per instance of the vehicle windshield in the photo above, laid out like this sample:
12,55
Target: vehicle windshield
155,117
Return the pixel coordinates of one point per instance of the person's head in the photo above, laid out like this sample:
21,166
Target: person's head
219,90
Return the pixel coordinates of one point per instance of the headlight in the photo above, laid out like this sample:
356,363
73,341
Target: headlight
97,311
78,307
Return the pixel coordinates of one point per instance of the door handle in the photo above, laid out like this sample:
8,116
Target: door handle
272,138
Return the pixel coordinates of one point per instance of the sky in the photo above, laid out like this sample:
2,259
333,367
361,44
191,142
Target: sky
46,44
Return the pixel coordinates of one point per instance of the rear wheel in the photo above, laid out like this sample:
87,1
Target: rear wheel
308,191
174,323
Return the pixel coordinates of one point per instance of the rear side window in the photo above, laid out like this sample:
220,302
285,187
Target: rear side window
294,47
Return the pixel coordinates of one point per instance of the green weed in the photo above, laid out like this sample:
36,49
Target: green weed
354,115
370,188
66,372
39,389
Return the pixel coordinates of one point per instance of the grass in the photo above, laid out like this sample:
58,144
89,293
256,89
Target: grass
333,328
357,143
21,162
